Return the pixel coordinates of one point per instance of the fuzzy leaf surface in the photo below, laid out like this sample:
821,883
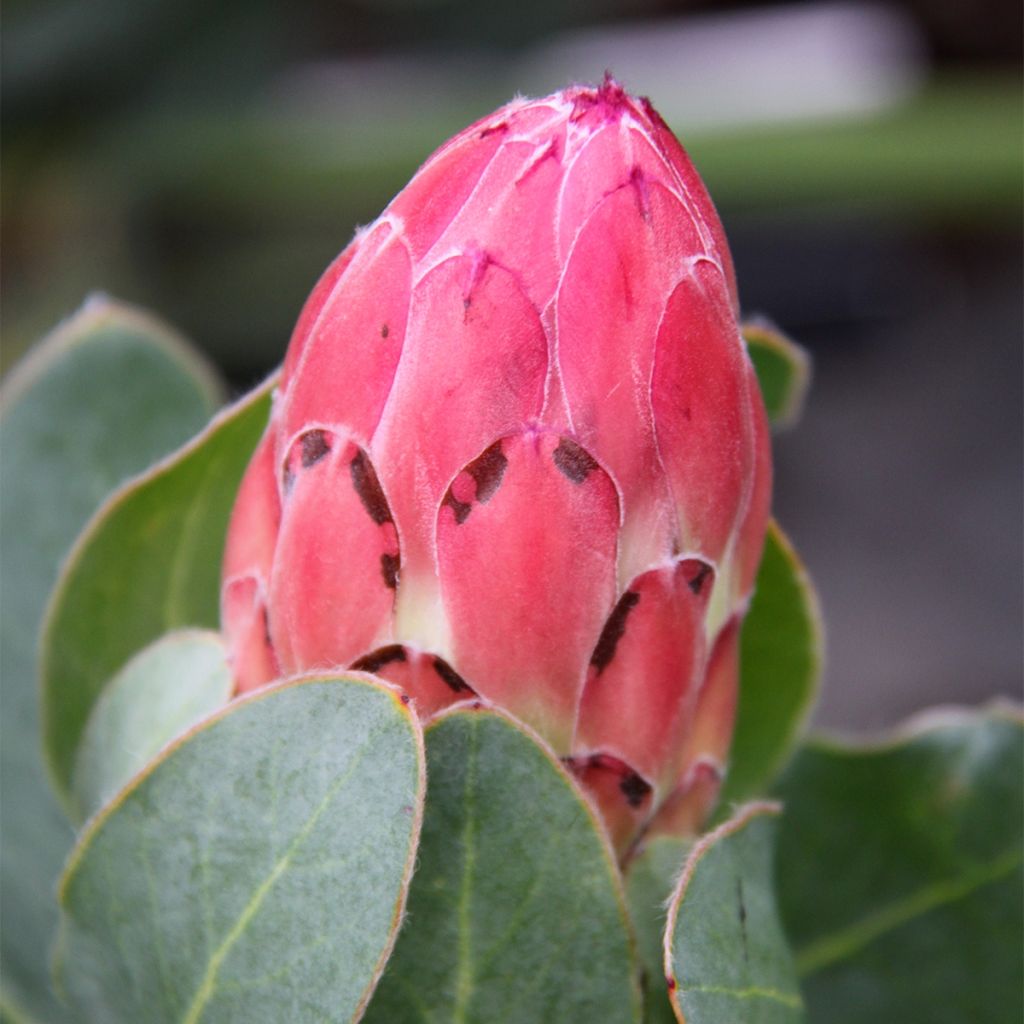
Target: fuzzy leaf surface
899,872
147,563
163,690
98,400
725,953
516,911
780,664
257,872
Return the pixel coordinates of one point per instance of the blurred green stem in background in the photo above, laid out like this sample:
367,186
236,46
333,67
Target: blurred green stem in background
223,218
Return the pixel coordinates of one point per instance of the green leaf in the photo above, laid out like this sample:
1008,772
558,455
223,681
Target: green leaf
899,873
780,665
516,912
9,1014
257,871
650,878
725,954
147,563
163,690
783,371
97,400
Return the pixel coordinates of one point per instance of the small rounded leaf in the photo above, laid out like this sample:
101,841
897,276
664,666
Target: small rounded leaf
516,912
257,871
726,958
162,691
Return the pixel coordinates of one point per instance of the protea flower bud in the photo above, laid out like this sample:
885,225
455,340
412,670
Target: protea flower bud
518,453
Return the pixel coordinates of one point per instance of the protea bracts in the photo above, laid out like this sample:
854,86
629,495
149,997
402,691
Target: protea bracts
518,454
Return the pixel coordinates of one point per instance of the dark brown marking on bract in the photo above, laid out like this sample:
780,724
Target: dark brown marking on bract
634,789
460,509
670,982
575,463
364,480
487,471
384,330
389,567
451,677
376,660
315,445
700,576
501,126
613,630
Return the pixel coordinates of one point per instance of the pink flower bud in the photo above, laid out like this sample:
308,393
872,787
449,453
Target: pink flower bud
518,453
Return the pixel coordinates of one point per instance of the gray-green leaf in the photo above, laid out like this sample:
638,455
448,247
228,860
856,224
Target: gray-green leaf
726,958
899,873
99,399
148,562
257,871
783,371
780,664
516,912
163,690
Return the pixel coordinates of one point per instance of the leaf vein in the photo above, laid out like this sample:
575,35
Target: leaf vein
790,999
848,941
208,985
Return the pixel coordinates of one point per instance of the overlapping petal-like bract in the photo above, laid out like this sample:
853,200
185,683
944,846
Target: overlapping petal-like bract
518,454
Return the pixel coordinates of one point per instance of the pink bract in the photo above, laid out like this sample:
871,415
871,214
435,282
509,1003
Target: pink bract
518,454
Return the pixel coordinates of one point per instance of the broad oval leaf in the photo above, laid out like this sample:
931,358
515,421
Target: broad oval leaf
257,871
780,665
783,371
164,689
726,958
516,912
899,873
148,562
99,399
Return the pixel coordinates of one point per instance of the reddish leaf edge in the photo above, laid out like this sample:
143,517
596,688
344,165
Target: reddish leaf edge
743,816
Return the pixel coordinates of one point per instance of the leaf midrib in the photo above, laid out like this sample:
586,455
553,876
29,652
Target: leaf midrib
208,985
791,1000
850,940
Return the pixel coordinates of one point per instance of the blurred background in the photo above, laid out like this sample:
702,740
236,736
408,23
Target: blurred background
207,160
